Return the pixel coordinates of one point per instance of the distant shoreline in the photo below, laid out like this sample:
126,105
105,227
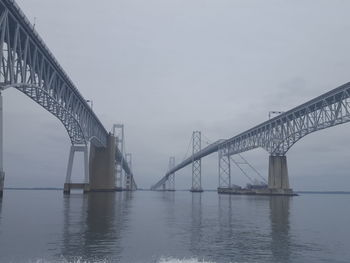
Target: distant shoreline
181,190
323,192
33,188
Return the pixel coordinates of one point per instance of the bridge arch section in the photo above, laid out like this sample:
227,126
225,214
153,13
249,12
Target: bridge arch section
28,65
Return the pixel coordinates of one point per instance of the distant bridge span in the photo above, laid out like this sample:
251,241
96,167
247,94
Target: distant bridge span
27,65
214,147
278,135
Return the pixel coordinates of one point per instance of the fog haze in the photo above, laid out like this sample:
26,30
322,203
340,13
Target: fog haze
167,67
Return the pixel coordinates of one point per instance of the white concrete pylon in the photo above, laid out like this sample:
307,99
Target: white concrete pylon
73,150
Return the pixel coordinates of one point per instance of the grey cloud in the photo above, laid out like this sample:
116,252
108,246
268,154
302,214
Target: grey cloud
166,68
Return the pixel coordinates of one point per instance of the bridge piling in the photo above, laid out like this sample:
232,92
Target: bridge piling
102,166
278,181
278,172
68,184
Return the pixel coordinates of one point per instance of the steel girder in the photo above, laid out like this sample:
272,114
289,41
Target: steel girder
28,65
214,147
279,134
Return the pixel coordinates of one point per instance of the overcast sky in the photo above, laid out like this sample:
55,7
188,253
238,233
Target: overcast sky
167,67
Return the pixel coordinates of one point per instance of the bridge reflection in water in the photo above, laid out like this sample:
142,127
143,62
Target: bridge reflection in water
94,224
0,210
256,227
280,238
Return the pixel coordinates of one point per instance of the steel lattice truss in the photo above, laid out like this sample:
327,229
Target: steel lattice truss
196,164
129,178
279,134
224,170
27,65
202,153
171,178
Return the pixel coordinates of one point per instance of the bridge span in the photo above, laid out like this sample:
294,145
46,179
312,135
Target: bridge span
28,65
276,136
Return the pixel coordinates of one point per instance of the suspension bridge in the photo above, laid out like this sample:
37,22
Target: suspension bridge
27,65
276,135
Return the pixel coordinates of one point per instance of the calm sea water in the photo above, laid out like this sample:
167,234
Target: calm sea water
45,226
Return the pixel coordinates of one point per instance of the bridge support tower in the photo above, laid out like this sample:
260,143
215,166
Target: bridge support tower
171,178
68,185
278,182
224,170
118,132
102,166
196,164
129,180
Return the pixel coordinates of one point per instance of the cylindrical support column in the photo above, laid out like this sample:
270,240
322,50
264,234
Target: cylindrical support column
2,173
278,172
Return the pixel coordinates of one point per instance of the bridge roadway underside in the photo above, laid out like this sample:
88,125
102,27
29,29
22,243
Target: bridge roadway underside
101,169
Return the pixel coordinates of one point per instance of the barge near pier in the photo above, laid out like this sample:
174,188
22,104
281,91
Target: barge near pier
260,189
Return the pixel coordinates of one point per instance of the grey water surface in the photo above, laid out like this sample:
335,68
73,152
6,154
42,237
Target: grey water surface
46,226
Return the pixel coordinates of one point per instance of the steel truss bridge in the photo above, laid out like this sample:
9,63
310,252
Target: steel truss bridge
27,65
278,134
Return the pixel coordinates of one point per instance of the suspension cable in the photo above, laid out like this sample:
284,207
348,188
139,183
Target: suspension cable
188,148
252,167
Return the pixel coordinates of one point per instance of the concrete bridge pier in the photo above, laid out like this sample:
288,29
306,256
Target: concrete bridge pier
102,166
278,181
68,184
99,168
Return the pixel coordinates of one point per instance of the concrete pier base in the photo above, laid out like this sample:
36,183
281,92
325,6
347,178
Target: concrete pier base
70,186
2,179
196,190
278,182
102,167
